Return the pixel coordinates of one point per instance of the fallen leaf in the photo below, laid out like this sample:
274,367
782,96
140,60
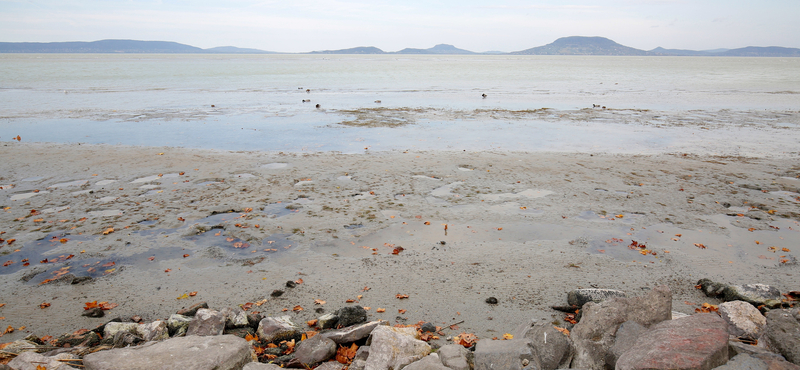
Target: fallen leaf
350,301
299,281
167,270
250,337
401,296
108,231
151,258
44,305
427,222
185,255
401,311
312,322
192,294
380,310
507,336
183,296
319,301
785,249
563,330
698,245
297,308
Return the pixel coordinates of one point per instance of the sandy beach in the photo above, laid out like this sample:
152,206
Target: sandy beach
150,225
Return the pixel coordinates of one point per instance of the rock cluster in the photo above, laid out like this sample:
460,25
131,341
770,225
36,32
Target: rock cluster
613,332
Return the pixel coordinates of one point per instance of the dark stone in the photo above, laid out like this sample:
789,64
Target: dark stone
94,312
291,284
82,279
697,342
351,315
427,328
35,339
579,297
102,328
278,292
711,289
82,337
124,339
191,311
491,300
782,333
735,348
253,319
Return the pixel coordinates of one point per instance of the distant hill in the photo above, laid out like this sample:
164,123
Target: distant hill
438,49
769,51
680,52
358,50
580,45
117,46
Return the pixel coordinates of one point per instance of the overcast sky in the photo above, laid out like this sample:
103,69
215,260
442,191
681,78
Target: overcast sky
505,25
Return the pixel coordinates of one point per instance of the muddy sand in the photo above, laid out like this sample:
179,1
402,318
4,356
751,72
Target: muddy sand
522,227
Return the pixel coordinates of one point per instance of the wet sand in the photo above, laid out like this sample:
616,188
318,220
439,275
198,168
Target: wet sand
522,227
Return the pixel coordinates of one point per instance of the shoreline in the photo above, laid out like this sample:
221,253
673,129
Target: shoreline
522,227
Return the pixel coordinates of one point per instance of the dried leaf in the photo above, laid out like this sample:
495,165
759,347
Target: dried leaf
380,310
297,308
299,281
312,322
192,294
563,330
44,305
401,296
182,296
507,336
319,301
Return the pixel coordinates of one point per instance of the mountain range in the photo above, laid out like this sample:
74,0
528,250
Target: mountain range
573,45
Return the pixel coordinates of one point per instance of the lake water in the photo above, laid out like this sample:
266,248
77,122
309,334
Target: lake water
255,102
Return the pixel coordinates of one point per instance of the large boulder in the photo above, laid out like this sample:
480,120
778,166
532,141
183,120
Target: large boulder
514,354
755,294
697,342
222,352
594,335
272,329
394,348
429,362
455,356
553,347
782,333
206,322
627,335
579,297
314,350
35,361
743,319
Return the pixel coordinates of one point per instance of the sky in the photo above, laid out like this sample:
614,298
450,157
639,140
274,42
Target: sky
308,25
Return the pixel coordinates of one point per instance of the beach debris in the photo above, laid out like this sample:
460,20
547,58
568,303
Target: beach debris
491,300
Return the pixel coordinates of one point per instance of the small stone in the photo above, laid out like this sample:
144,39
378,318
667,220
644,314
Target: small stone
272,329
455,356
31,360
314,350
755,294
353,333
278,292
429,362
113,328
491,300
191,311
177,325
94,312
351,315
291,284
82,337
782,333
206,322
427,328
579,297
327,321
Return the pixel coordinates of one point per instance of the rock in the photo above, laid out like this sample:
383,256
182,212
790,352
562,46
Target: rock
351,315
455,357
260,366
743,319
94,312
627,334
191,311
782,333
755,294
735,347
156,330
697,342
272,329
235,317
276,293
20,346
113,328
290,284
30,361
711,289
394,348
314,350
82,337
429,362
579,297
206,322
332,365
743,362
253,319
177,325
124,339
427,328
240,332
327,321
553,347
220,352
504,354
101,329
353,333
594,335
360,361
491,300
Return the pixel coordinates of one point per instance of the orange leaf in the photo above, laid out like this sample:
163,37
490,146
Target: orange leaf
350,301
427,222
401,296
401,311
250,337
90,305
297,308
379,310
108,231
563,330
312,322
192,294
44,305
319,301
185,255
299,281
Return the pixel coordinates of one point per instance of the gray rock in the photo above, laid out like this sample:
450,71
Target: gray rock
113,328
429,362
394,348
743,362
627,334
272,329
156,330
260,366
327,321
82,338
331,365
177,325
735,348
360,361
353,333
314,350
455,357
782,334
94,312
579,297
351,315
30,360
711,289
755,294
221,352
206,322
235,317
594,335
427,328
743,319
125,339
697,342
514,354
553,347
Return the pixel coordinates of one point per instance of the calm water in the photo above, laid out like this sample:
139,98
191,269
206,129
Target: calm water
258,100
